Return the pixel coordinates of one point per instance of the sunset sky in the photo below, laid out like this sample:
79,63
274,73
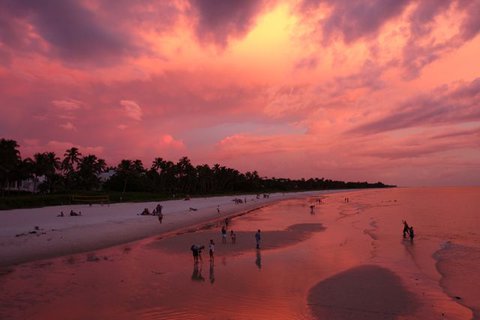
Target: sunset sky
356,90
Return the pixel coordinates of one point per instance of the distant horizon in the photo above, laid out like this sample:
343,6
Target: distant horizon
367,91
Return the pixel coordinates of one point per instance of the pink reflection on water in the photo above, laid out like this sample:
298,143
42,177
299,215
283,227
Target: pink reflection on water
157,279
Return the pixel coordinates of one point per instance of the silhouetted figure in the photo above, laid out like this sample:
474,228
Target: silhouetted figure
200,248
160,217
61,214
195,253
224,235
218,209
406,229
258,237
311,209
233,237
412,234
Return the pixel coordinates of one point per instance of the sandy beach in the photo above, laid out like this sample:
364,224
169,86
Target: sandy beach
32,234
340,260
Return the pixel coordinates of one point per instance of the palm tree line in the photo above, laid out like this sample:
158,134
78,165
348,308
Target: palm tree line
77,172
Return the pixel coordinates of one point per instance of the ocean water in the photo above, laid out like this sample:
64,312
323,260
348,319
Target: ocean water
341,260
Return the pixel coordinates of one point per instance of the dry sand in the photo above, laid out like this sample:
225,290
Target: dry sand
31,234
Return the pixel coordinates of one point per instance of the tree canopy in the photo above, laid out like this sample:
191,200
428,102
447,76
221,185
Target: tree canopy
76,172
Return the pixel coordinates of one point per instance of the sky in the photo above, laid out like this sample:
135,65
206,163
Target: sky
353,90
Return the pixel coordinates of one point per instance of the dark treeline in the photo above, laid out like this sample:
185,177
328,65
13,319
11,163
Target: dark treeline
86,173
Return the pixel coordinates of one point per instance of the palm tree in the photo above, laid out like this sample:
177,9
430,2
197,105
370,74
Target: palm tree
46,164
90,168
71,160
186,175
9,160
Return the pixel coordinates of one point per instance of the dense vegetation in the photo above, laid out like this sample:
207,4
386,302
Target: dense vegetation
56,179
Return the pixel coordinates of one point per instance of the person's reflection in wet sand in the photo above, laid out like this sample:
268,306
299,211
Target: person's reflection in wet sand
212,272
197,273
258,260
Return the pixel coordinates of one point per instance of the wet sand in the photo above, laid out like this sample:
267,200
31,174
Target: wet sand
339,261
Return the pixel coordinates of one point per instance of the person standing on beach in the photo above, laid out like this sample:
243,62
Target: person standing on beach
224,235
412,234
160,217
233,237
406,229
211,250
258,237
194,249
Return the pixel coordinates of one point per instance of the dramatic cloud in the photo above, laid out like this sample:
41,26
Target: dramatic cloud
353,90
441,106
355,19
63,28
219,20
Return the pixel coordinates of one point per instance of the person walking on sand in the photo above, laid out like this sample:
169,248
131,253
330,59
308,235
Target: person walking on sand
224,235
211,250
258,237
412,234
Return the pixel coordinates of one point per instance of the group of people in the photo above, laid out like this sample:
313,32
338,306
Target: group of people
233,236
157,211
408,230
72,214
197,249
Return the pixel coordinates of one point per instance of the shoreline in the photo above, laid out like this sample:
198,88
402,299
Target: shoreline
28,235
350,254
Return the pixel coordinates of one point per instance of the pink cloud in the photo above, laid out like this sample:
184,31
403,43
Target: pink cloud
132,109
168,141
67,105
31,146
68,126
